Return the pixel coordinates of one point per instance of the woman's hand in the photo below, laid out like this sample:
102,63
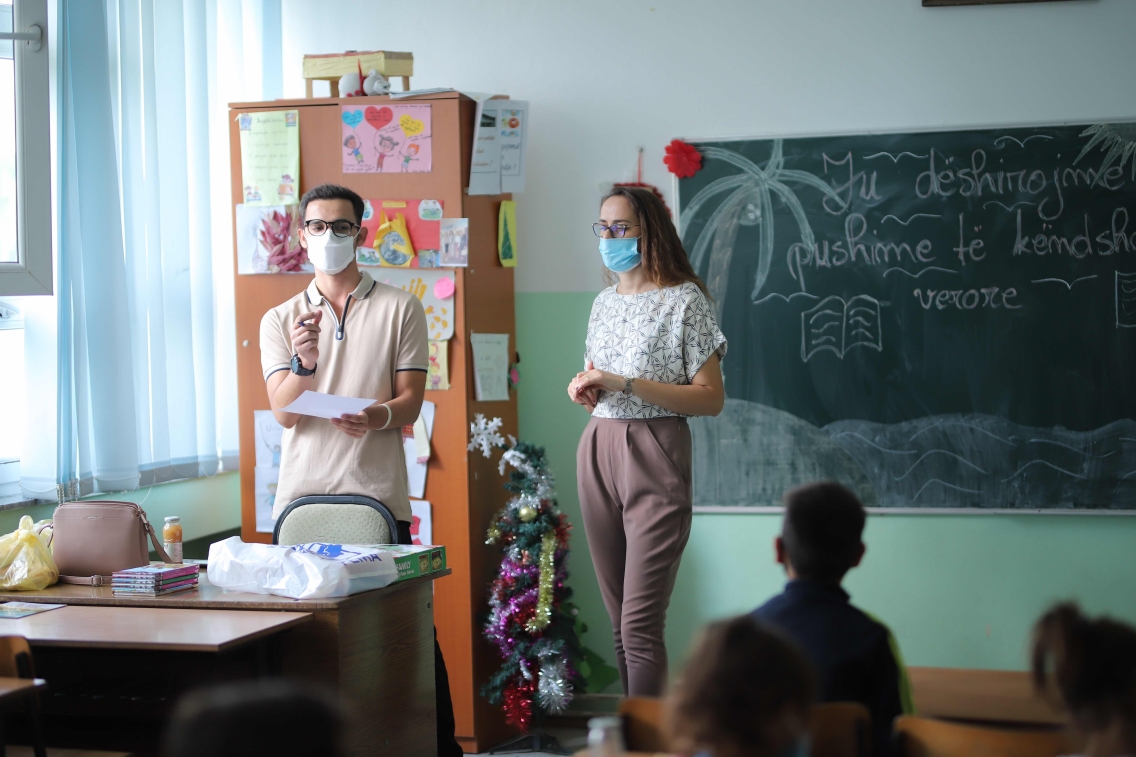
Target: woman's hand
584,393
590,378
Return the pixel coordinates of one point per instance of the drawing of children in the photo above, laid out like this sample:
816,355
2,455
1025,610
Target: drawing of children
385,146
252,194
352,146
409,153
287,187
270,496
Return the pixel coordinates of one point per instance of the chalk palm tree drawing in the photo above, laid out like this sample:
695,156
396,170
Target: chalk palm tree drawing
1117,141
750,203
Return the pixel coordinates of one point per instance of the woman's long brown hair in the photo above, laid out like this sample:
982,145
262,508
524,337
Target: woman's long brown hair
664,258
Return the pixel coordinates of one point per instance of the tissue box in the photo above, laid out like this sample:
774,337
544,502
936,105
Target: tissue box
415,561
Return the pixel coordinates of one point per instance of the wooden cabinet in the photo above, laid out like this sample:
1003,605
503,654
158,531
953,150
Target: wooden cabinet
464,488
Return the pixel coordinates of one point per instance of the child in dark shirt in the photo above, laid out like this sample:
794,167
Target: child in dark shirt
856,657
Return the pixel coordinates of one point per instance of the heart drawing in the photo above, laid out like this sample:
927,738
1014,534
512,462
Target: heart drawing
411,126
378,117
352,117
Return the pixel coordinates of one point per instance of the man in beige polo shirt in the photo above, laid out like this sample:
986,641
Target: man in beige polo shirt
349,335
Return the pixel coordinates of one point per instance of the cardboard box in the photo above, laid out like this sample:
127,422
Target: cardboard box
415,561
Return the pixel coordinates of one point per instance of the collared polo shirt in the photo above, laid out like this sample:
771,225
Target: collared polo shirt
383,332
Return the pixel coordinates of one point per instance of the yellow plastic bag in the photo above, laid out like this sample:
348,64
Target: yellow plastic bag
26,563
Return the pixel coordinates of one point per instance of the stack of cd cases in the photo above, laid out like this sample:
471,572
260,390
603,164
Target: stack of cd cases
155,580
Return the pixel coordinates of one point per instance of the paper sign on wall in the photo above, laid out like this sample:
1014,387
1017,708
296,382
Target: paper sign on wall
415,470
421,283
270,156
264,491
438,375
507,234
500,142
268,240
269,435
490,366
455,242
423,222
386,138
422,522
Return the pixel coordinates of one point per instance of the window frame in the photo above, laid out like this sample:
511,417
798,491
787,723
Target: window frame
32,273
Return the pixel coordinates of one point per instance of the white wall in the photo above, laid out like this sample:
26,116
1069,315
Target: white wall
606,78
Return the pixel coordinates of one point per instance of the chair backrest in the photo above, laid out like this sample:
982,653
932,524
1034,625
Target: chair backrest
643,724
840,729
15,658
924,737
336,519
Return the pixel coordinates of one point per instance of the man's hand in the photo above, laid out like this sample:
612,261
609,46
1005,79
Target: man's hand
353,425
305,337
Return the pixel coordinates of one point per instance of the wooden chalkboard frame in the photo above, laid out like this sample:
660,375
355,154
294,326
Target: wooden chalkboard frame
759,510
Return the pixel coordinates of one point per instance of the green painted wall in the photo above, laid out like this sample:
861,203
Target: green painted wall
958,590
206,505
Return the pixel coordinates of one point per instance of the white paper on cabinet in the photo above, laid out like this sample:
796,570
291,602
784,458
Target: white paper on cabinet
490,366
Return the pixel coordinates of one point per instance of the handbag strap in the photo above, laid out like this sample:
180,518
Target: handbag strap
163,555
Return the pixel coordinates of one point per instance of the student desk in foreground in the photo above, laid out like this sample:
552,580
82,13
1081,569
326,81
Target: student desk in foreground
376,649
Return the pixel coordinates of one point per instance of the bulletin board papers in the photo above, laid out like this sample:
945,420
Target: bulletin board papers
500,144
423,223
386,139
438,374
268,240
265,494
416,471
490,366
507,234
269,438
422,284
454,234
270,156
421,523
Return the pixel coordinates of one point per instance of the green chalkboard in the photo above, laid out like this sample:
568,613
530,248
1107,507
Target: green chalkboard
940,319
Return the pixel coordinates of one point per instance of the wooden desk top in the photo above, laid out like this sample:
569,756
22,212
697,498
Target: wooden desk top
1004,696
17,688
205,597
164,629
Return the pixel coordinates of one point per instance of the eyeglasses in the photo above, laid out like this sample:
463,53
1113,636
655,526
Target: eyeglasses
317,228
617,230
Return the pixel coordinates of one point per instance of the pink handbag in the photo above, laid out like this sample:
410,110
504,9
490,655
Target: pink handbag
93,539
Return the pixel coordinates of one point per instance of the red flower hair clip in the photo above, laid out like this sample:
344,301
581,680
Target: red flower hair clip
682,160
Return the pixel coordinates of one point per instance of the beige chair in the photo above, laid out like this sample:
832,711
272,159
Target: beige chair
838,729
340,519
924,737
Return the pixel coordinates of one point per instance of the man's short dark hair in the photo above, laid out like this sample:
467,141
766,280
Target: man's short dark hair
332,192
824,523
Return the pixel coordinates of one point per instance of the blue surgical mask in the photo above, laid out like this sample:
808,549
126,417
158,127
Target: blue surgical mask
620,255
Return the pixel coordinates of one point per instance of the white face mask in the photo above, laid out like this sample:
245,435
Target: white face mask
329,253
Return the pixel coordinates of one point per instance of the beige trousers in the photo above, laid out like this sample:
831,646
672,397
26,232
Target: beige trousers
634,483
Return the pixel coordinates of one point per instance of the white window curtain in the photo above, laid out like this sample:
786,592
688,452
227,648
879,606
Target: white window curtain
141,340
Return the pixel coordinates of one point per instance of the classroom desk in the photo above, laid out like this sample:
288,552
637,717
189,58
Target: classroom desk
376,649
981,696
18,688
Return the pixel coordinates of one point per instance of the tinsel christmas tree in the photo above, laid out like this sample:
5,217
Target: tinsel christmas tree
530,620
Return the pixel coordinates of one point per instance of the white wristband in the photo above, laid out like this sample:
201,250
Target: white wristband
390,414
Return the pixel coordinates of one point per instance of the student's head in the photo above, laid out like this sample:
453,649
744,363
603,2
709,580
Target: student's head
745,691
269,716
637,212
331,219
1093,663
821,533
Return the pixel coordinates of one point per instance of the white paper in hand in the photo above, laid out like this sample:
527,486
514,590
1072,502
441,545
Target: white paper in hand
323,405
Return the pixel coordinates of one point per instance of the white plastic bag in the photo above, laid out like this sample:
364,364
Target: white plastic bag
303,571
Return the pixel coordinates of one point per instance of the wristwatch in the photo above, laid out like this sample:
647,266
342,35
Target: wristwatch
627,385
299,369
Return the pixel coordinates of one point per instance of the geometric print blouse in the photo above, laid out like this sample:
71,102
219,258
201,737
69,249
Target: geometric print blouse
664,335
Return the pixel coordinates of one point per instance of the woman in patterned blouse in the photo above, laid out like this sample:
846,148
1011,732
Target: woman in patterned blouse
651,361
